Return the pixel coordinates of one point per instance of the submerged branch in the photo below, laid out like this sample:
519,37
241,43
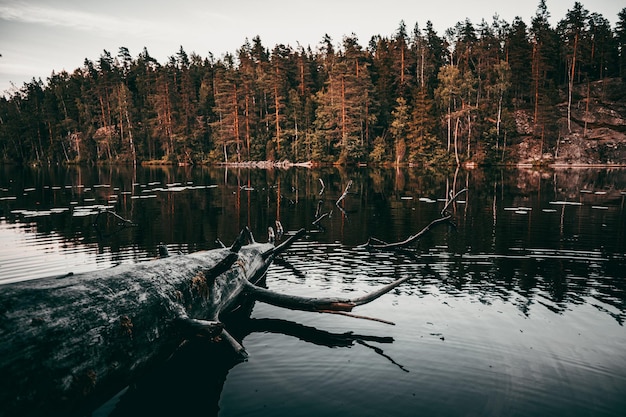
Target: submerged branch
406,242
373,243
124,221
323,186
356,316
452,200
237,347
319,219
345,193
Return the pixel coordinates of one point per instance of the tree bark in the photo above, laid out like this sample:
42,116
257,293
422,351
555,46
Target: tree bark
570,85
69,342
322,304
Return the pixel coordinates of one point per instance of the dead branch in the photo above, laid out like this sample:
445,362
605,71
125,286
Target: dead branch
277,250
381,291
195,327
237,347
124,221
279,229
319,215
452,200
357,316
345,193
319,219
408,241
248,233
295,302
373,243
318,209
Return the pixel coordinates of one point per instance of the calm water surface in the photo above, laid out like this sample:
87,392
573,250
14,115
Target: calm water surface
518,310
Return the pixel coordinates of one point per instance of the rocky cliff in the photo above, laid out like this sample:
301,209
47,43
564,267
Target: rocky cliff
596,135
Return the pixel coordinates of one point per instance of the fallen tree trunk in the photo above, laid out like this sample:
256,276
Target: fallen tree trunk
69,343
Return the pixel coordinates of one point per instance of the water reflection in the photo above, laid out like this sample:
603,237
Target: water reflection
197,372
558,236
508,312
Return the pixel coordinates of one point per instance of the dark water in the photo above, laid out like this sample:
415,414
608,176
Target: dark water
518,310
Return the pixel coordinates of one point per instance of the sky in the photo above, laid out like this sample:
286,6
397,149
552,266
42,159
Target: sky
38,37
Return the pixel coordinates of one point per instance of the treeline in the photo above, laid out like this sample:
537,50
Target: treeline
413,97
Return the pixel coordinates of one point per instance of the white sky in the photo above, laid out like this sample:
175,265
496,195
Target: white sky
39,36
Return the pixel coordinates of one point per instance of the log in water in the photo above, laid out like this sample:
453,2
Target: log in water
71,341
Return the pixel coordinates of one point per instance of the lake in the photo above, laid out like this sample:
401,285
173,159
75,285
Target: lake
517,309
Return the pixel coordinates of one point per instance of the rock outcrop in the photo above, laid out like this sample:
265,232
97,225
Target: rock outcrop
595,136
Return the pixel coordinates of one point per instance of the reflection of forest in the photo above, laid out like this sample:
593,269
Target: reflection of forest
515,238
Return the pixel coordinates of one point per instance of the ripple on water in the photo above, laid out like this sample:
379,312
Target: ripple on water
520,317
27,254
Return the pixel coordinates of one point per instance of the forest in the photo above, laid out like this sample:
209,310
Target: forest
414,97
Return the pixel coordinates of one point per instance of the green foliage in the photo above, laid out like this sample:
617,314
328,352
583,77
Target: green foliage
380,152
399,129
407,98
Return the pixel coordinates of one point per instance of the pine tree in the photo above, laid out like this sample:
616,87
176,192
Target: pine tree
399,129
227,128
544,54
447,94
620,35
279,88
573,32
422,144
344,111
519,52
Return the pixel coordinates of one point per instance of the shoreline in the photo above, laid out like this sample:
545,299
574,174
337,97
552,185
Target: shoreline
469,165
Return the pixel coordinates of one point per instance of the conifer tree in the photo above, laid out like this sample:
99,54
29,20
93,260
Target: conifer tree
399,129
422,144
620,35
544,56
573,33
338,103
519,53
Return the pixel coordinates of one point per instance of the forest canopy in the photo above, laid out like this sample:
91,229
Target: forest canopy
415,96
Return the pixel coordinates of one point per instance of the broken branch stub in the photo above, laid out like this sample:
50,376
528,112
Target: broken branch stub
277,250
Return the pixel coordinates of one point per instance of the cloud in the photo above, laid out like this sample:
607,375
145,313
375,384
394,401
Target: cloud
72,19
89,21
156,26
